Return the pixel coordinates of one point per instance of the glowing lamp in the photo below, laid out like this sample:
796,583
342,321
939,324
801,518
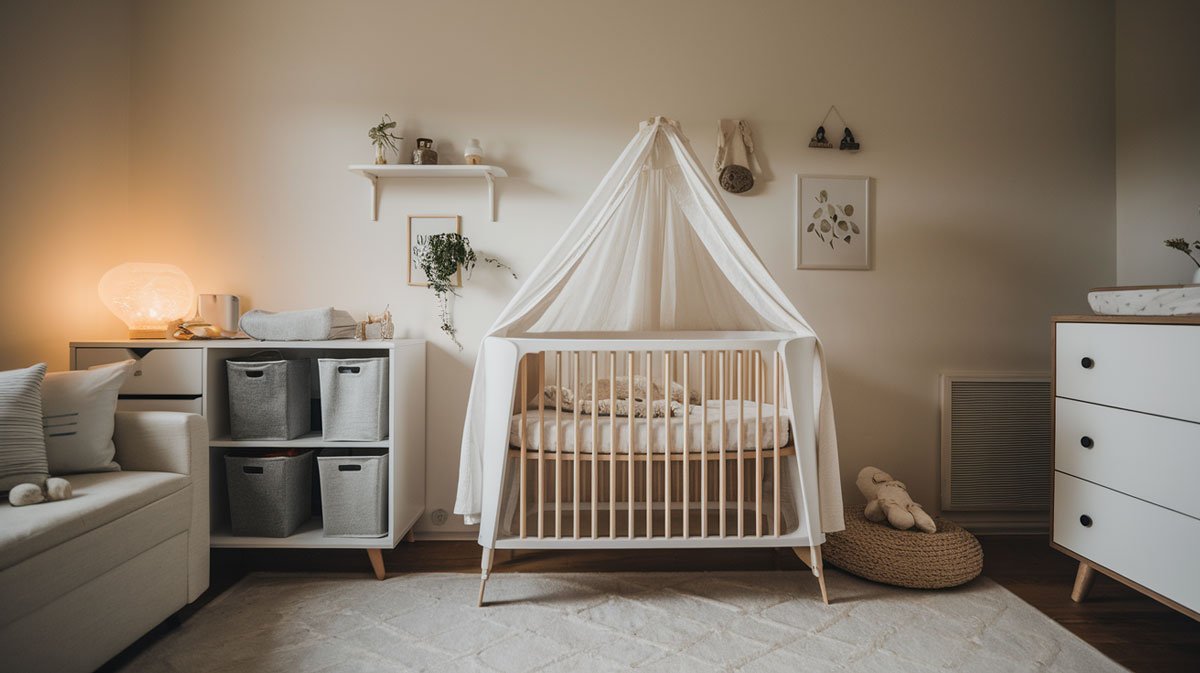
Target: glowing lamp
148,297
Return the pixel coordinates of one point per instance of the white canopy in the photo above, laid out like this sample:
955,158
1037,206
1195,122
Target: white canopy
655,248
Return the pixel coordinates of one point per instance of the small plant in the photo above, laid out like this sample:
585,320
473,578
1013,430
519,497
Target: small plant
1186,248
440,257
383,139
831,222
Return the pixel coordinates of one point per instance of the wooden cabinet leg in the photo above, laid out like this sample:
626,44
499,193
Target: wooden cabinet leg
376,557
409,537
1083,582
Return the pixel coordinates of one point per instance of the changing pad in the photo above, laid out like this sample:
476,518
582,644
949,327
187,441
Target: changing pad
315,324
1146,300
765,433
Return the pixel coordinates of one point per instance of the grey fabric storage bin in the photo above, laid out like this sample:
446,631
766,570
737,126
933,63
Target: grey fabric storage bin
354,495
354,398
269,497
268,398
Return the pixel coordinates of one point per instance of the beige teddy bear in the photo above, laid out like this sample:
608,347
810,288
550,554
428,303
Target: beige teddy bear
889,499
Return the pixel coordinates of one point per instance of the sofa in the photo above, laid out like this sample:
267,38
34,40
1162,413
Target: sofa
82,579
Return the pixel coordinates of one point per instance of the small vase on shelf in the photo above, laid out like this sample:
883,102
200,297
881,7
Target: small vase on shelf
425,155
473,153
1196,276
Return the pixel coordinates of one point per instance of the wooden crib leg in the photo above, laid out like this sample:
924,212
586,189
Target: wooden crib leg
811,556
486,565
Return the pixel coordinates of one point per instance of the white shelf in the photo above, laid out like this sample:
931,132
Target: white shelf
374,172
309,536
312,440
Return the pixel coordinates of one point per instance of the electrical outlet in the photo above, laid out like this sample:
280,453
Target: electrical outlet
439,517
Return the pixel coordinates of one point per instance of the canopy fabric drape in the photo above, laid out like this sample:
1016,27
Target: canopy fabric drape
655,248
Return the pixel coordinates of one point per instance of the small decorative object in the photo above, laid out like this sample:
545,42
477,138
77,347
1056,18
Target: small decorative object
387,329
819,140
832,222
848,143
425,155
904,558
734,178
1187,248
442,258
888,499
473,153
384,140
54,488
222,311
148,297
420,229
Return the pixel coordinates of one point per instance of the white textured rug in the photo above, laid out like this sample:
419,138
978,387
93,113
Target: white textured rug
597,622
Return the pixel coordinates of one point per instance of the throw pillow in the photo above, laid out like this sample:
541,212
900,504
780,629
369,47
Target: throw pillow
79,407
22,446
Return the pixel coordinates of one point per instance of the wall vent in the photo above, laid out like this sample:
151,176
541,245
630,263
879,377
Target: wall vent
996,442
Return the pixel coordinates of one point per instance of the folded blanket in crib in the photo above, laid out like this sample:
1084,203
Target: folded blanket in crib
314,324
626,398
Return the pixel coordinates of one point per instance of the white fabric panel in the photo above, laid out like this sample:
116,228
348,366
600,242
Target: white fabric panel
765,434
654,248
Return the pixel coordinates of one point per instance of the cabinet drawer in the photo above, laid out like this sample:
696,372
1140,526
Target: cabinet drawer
160,371
1150,457
1150,368
190,406
1152,546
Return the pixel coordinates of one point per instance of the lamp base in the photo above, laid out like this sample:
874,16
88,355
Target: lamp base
147,334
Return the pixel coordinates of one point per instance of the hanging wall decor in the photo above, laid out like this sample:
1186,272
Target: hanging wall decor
833,222
732,176
848,143
420,229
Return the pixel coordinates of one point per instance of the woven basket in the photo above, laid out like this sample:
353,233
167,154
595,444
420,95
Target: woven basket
904,558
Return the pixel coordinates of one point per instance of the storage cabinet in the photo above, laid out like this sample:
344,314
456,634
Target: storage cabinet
1126,449
192,376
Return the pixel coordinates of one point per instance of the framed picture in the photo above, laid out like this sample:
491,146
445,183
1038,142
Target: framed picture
420,228
833,222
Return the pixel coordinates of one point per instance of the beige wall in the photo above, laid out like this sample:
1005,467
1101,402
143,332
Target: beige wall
64,162
987,126
1158,138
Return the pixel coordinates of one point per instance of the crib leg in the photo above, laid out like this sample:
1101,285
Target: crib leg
486,564
811,556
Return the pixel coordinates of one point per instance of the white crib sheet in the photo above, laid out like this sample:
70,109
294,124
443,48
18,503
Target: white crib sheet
765,433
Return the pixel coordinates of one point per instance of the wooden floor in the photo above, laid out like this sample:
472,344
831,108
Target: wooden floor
1134,630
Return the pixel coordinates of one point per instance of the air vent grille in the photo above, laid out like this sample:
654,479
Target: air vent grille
996,443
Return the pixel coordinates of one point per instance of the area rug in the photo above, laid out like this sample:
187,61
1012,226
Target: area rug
598,622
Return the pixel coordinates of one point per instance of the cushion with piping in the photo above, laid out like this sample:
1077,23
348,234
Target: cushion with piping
78,408
22,446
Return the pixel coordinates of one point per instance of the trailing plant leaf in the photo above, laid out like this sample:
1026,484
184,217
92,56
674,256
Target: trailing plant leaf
440,257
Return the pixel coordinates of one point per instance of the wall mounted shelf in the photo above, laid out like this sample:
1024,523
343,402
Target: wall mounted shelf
374,172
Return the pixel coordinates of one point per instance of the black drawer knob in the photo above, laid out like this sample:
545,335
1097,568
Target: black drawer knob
1087,363
1086,521
1086,442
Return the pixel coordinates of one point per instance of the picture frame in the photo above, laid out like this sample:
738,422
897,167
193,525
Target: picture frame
833,222
420,227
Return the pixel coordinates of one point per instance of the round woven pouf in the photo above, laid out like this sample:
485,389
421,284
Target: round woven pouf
904,558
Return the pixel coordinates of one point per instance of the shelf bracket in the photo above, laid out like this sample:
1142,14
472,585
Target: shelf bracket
491,193
374,197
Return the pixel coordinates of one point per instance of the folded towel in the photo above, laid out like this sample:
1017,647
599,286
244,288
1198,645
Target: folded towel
314,324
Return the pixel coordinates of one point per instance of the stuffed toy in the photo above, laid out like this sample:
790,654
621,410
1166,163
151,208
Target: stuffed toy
54,488
565,399
888,499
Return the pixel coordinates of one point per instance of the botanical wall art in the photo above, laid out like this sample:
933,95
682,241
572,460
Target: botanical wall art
420,229
833,222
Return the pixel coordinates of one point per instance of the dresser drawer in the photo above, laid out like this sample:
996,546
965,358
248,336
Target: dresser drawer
1145,543
1150,457
188,406
1150,368
161,371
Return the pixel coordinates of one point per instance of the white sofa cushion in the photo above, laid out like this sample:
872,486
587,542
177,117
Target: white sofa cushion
99,498
78,409
22,446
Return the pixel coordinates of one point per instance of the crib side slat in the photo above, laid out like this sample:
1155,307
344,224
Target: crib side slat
687,435
630,466
649,447
758,449
775,464
595,482
704,388
723,446
578,452
741,442
524,456
667,380
558,437
541,464
612,449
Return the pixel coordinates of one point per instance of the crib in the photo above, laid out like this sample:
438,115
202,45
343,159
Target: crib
734,465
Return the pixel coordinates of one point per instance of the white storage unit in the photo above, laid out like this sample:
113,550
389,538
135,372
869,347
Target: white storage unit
191,376
1126,449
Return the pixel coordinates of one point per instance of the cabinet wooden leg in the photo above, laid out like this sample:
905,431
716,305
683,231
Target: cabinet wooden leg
1083,582
409,537
811,556
376,557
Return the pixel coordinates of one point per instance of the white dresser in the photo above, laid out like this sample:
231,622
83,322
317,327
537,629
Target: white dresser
1127,453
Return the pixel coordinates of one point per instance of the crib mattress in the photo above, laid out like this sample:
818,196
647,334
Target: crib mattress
752,432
